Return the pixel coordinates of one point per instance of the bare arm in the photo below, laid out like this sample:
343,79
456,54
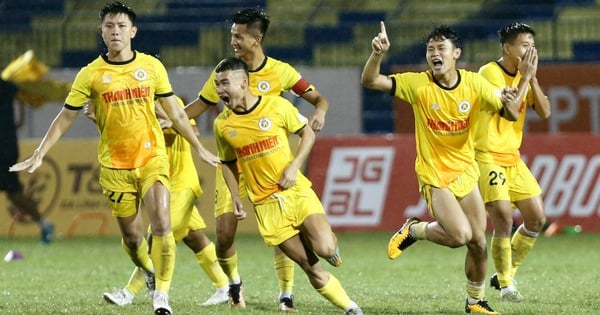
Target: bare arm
307,140
317,120
196,108
231,176
371,76
528,69
61,123
540,100
181,123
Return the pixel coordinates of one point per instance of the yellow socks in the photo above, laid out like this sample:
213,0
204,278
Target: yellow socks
334,292
207,259
136,282
502,256
139,256
230,267
163,257
285,273
521,245
475,291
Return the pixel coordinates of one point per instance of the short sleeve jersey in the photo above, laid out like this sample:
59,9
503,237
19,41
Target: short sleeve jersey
258,139
445,121
123,95
498,140
273,77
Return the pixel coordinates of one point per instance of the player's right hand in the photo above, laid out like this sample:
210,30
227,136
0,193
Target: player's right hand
381,43
209,157
31,164
238,209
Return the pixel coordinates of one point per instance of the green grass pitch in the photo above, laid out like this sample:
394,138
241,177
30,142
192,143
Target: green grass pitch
560,276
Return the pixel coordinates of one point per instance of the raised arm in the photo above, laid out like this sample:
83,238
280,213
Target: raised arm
541,105
371,76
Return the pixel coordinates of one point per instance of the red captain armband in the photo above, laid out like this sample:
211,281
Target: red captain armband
300,87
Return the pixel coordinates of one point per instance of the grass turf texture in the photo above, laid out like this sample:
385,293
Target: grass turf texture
560,276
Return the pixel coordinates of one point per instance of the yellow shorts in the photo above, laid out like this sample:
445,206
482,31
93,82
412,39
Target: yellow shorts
223,202
460,187
124,188
512,183
184,214
280,215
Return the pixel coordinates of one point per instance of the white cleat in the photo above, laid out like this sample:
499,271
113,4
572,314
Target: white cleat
121,298
218,298
161,304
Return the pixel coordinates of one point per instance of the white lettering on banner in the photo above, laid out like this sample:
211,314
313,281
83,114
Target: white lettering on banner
356,185
571,186
565,106
593,93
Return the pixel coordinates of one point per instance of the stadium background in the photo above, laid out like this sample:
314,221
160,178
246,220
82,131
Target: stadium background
362,165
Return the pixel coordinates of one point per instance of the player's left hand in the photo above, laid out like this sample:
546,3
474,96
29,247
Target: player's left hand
288,178
528,63
317,120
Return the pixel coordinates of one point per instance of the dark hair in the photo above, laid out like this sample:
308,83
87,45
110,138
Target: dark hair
511,31
253,18
231,64
117,7
443,32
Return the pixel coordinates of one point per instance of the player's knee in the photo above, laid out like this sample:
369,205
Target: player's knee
535,225
478,244
325,249
459,238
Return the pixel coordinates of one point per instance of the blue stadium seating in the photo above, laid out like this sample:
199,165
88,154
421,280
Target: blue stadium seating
586,51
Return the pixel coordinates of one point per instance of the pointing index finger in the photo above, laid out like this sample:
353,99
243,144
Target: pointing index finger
383,28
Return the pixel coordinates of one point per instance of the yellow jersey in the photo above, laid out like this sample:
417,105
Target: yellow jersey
258,140
498,140
445,121
123,96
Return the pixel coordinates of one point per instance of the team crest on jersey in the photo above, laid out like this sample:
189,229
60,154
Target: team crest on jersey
435,106
106,79
233,133
264,123
464,107
140,74
264,86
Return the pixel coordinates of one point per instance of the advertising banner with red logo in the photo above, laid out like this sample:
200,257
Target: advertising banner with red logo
368,183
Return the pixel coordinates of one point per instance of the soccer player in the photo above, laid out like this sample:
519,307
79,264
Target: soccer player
253,132
505,179
447,104
134,166
9,181
186,221
268,76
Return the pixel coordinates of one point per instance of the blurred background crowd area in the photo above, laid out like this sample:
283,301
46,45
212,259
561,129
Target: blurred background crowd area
317,33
